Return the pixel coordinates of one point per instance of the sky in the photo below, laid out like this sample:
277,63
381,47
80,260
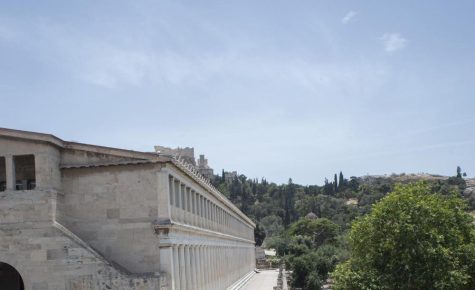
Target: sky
274,89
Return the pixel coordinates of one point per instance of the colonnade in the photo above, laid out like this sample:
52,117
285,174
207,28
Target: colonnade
206,243
205,267
194,207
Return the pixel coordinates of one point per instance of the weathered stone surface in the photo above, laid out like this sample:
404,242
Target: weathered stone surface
105,218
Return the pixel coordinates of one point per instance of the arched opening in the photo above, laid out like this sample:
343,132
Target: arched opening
10,279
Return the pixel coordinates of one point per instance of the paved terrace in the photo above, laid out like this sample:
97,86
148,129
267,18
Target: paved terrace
265,280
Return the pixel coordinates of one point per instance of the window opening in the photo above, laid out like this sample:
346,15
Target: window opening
25,172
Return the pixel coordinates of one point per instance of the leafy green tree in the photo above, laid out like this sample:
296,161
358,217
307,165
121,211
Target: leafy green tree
354,184
328,187
311,268
272,225
412,239
459,172
280,244
321,230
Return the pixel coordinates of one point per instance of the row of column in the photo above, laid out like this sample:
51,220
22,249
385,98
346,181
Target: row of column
190,207
201,267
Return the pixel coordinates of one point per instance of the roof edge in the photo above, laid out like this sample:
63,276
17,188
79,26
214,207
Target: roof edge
20,134
52,139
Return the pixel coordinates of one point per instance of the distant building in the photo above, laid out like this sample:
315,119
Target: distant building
230,176
204,169
187,154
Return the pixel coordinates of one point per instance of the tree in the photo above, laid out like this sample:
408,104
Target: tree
459,172
412,239
310,269
272,225
354,184
335,183
289,201
259,235
341,180
328,187
319,230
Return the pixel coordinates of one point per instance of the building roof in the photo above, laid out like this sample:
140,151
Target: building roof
51,139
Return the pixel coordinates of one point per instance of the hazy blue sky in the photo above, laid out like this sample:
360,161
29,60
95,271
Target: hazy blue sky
279,89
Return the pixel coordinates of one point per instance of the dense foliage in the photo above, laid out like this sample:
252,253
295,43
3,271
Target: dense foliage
308,225
412,239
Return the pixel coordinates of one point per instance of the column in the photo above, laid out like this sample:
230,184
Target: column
215,268
176,267
210,277
190,205
215,217
200,210
183,204
222,273
172,202
182,268
167,264
220,268
205,214
212,216
10,172
189,268
195,273
177,200
193,207
228,267
170,190
204,268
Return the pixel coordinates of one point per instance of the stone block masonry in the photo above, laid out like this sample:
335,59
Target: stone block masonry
81,217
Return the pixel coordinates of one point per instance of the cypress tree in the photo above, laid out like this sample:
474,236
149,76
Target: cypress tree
341,181
336,183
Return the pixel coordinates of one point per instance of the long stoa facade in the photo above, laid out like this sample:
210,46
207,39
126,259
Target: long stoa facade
78,217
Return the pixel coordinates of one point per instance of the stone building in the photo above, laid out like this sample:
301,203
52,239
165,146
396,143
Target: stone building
230,176
204,169
81,217
187,154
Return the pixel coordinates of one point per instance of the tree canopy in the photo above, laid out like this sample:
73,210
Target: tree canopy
411,239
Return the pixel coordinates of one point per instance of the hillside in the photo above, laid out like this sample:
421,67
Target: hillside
309,225
275,206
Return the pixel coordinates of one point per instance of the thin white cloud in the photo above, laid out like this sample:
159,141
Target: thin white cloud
349,17
115,67
112,64
393,42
